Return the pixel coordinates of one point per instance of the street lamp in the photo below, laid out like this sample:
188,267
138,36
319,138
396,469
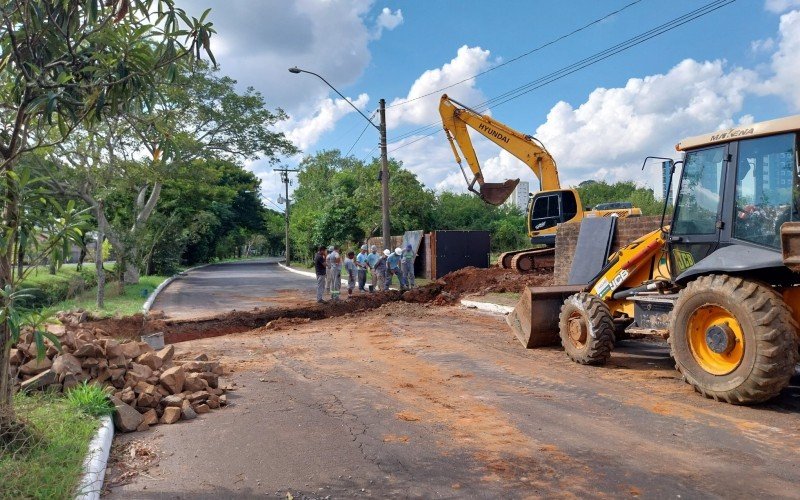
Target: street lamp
384,155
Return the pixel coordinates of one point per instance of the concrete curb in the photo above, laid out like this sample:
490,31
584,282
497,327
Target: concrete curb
94,465
487,306
164,284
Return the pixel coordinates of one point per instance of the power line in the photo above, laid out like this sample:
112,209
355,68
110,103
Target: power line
584,63
360,135
517,58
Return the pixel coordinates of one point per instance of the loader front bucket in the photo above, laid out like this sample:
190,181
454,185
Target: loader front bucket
535,317
495,193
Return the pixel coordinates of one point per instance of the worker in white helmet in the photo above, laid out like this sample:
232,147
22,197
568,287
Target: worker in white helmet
393,268
380,269
372,259
361,267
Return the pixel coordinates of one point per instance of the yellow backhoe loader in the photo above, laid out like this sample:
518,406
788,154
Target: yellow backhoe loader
549,207
721,281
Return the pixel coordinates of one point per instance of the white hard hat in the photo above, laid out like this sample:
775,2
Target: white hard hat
373,248
363,247
398,251
330,248
387,252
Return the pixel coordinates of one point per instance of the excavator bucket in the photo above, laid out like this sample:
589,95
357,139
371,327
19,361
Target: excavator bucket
535,317
495,193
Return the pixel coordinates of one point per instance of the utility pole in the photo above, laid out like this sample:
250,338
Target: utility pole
387,228
285,178
384,176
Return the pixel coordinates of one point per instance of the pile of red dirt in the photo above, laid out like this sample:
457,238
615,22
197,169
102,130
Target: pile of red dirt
475,281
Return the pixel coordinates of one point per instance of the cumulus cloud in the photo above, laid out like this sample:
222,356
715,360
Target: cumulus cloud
786,61
779,6
467,62
305,132
387,20
610,133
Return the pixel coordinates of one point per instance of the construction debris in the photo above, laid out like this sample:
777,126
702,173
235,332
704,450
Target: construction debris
146,386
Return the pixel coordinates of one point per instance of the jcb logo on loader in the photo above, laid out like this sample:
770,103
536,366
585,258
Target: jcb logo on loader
605,287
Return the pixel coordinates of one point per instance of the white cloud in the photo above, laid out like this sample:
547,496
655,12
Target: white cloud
764,45
786,61
467,62
387,20
305,132
779,6
608,136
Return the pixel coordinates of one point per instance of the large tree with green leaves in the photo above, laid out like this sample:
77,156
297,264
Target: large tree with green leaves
63,64
200,117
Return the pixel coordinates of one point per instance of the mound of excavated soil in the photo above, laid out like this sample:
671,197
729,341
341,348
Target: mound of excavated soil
472,280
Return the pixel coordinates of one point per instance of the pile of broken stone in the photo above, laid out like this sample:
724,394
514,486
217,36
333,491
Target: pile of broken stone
147,386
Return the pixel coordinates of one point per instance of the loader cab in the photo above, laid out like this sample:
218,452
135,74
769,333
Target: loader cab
735,192
548,209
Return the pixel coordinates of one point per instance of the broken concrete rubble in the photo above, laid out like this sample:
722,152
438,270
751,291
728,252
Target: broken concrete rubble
149,387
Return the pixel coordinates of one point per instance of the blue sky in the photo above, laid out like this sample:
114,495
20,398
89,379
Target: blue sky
737,64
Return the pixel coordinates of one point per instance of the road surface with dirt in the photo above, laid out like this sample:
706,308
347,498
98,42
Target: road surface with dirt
417,400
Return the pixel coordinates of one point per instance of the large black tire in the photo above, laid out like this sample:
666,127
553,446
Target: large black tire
769,350
586,329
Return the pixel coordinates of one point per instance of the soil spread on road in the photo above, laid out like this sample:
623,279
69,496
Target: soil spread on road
444,291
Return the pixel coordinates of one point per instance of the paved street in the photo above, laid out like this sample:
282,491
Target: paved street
239,286
441,402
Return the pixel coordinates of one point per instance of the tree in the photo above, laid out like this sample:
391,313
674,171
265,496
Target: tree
338,200
64,64
201,116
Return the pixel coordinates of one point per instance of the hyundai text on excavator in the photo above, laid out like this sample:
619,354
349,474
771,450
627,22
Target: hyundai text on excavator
551,206
722,281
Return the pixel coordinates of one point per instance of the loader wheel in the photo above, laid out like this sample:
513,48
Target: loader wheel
586,329
732,339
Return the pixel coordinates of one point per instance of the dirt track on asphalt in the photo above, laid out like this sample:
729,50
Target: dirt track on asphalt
425,401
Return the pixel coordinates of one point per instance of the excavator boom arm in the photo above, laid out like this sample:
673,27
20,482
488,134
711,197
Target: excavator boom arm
455,119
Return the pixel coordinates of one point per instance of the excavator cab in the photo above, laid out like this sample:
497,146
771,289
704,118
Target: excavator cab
549,209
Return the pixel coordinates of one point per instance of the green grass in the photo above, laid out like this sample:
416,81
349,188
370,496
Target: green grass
91,399
50,468
116,304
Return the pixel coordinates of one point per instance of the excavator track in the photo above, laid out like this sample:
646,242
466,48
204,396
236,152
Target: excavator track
527,260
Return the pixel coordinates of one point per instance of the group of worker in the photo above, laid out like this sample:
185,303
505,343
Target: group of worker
328,264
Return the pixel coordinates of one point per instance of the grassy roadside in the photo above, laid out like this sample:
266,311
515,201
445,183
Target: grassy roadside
51,467
125,304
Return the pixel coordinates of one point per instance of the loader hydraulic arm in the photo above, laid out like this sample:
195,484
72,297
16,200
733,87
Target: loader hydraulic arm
455,119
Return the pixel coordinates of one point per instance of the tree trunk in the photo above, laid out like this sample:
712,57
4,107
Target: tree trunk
101,273
11,221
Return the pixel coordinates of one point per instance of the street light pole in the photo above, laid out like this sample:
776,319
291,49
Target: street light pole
285,178
384,180
385,223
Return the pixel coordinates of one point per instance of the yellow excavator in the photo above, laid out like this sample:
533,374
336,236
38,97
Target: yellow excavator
721,281
548,208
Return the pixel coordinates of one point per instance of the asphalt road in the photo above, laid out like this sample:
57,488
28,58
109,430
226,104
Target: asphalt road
232,286
441,402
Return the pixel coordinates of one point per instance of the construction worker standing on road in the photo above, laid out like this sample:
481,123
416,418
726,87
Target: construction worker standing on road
372,260
328,257
336,277
380,269
361,267
407,266
351,269
321,269
393,268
